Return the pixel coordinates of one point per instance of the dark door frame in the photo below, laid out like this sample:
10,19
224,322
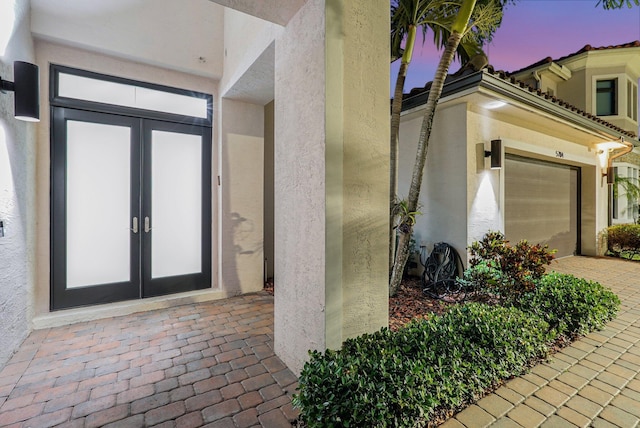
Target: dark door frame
141,123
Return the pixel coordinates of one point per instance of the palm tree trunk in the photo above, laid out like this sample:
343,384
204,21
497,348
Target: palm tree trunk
396,109
423,143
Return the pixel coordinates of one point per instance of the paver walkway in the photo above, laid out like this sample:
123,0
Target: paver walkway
212,364
206,364
593,382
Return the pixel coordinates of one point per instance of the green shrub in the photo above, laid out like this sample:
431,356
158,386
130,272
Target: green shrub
572,306
623,237
402,378
505,270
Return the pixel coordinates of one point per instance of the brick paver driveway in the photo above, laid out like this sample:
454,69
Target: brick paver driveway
207,364
594,382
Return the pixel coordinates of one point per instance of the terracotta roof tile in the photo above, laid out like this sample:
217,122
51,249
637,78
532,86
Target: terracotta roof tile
507,77
585,48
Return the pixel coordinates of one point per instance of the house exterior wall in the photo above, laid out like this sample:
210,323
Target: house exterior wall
17,190
443,196
462,198
241,205
576,90
245,39
580,89
268,189
531,143
47,53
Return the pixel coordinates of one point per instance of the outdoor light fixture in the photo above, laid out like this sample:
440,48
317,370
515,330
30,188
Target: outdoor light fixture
26,91
495,153
604,148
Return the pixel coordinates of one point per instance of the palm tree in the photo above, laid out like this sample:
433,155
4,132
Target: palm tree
627,187
617,4
407,16
482,18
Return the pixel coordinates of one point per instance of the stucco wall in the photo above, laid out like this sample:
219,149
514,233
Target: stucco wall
443,196
47,53
241,164
17,190
300,186
245,39
365,156
533,143
462,198
332,115
575,91
268,189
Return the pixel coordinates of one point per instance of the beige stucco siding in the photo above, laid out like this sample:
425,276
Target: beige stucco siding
462,198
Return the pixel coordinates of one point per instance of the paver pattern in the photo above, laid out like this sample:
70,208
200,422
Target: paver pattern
594,382
212,364
206,364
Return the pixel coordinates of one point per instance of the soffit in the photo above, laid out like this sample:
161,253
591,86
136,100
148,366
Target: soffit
276,11
185,35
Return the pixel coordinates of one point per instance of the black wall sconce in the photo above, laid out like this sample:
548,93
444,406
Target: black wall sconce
495,153
26,88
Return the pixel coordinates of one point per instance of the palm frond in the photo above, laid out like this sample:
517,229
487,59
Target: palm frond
617,4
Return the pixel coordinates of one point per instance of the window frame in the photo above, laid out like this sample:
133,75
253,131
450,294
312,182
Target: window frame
59,101
632,100
623,211
613,92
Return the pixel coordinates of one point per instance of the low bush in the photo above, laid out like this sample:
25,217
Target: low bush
572,306
623,238
429,367
503,270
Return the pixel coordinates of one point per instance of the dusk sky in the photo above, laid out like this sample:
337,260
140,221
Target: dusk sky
532,30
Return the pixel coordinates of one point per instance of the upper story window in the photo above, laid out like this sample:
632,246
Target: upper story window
606,99
632,100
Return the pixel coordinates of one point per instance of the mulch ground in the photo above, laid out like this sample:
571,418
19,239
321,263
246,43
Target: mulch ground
409,303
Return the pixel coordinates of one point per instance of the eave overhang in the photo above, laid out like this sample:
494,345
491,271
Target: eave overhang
518,94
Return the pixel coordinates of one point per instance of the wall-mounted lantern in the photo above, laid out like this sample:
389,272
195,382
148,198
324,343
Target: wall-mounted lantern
25,86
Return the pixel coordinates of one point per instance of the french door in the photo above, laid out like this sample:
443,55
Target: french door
131,208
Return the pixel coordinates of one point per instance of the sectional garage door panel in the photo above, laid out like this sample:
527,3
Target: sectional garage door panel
541,204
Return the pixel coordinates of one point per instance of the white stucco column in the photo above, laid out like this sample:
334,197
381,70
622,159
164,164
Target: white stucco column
331,175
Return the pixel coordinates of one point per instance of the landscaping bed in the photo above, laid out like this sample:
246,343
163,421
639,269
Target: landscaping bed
437,358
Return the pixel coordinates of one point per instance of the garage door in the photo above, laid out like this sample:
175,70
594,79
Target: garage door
541,204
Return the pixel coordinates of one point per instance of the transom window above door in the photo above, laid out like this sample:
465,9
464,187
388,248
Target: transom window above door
77,87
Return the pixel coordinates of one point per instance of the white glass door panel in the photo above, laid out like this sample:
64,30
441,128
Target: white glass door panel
176,204
98,204
131,208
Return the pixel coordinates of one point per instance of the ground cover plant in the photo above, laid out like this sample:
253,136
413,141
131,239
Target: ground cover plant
572,306
428,369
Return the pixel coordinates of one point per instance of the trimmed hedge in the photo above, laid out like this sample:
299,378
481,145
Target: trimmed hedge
401,378
434,367
623,238
572,306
